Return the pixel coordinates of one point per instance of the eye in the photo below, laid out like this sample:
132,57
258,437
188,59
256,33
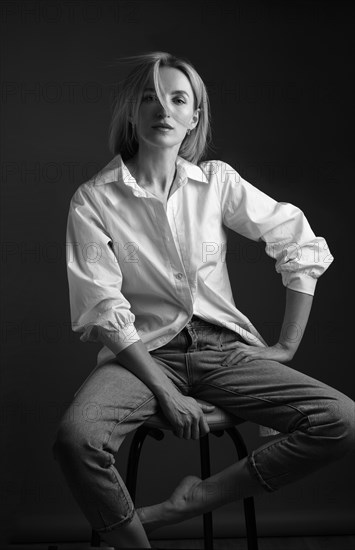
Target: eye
148,97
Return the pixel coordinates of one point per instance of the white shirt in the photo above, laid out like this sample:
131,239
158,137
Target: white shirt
138,271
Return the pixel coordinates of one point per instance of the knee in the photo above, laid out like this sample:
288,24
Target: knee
80,434
74,433
346,418
339,428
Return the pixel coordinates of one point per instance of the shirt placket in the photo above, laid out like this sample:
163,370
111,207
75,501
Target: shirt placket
179,237
175,256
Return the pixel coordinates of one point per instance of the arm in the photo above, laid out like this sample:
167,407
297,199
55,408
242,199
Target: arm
94,275
297,310
301,257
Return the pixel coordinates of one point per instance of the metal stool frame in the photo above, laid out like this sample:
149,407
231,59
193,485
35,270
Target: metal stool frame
158,434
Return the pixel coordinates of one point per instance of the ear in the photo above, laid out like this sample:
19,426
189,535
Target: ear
195,118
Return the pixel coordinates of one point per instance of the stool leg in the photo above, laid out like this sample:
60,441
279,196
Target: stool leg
205,473
249,508
133,460
134,456
95,539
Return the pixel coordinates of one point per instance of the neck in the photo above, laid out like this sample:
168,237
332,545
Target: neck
154,170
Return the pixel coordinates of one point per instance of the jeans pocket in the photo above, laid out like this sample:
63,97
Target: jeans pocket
228,338
227,341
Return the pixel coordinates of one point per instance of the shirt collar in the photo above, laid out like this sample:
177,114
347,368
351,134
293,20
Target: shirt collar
116,170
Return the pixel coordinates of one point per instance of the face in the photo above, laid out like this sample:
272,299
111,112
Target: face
178,94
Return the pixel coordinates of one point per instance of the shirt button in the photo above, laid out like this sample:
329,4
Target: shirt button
179,275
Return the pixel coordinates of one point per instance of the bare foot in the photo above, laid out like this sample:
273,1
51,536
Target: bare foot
173,510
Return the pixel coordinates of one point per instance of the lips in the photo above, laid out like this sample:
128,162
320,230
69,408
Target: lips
163,126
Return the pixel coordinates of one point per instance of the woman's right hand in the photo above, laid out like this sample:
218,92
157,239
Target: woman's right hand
185,415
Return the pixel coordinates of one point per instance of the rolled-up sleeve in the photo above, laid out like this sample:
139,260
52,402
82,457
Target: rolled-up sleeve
300,256
97,306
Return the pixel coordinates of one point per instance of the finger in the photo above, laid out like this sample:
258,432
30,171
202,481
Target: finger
237,347
254,355
207,408
245,360
204,427
234,357
195,430
187,431
179,431
236,352
241,345
249,358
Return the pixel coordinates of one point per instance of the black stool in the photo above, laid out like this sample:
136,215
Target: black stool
219,421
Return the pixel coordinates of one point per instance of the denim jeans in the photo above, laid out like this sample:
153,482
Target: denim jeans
315,421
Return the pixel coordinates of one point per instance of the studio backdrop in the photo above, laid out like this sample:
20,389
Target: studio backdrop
278,76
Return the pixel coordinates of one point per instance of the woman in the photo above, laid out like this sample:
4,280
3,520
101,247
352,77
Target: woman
148,279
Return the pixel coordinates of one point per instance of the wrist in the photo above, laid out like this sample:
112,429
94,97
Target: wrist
164,390
289,349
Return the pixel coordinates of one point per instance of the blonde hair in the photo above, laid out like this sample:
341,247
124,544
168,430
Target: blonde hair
122,134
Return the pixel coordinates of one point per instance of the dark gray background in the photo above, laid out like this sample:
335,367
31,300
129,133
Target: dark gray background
279,75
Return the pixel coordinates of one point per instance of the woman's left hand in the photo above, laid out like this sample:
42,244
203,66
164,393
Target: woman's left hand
243,353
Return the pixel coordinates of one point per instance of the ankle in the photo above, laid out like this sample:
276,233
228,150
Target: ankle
179,509
172,509
141,514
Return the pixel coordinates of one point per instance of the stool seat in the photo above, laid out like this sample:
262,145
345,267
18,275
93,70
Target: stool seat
218,419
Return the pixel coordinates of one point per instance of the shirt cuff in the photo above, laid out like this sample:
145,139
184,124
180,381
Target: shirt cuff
300,282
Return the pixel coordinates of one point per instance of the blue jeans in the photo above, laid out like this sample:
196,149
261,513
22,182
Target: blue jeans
315,421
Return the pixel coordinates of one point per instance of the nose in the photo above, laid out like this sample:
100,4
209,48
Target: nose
162,112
